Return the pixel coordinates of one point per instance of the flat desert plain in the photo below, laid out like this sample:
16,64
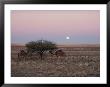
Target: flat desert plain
80,61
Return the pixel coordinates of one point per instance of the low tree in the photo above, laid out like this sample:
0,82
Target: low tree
41,46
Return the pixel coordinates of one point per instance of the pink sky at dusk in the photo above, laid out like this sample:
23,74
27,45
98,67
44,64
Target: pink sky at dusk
31,25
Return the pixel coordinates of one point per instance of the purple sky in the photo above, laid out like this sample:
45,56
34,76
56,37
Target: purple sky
83,27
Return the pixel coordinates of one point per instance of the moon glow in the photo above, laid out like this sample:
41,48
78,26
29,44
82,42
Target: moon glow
67,37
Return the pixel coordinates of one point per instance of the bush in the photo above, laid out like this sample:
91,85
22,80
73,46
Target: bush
40,46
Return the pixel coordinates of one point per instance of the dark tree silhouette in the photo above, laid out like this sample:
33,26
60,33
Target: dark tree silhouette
41,46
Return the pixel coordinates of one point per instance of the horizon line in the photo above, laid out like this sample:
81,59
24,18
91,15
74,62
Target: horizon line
75,44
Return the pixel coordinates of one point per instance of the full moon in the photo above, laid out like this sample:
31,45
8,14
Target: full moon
67,38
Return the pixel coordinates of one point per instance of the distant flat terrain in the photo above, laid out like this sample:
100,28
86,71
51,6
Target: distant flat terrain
80,61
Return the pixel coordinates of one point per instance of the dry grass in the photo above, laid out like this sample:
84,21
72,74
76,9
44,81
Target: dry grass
79,62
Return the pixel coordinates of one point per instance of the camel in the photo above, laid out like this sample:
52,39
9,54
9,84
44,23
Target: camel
24,54
58,53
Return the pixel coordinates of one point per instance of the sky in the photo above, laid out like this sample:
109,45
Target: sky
59,26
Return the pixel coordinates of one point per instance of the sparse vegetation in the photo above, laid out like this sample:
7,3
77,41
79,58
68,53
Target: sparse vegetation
80,61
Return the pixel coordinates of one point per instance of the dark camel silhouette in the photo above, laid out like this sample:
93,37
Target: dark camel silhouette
58,53
24,54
